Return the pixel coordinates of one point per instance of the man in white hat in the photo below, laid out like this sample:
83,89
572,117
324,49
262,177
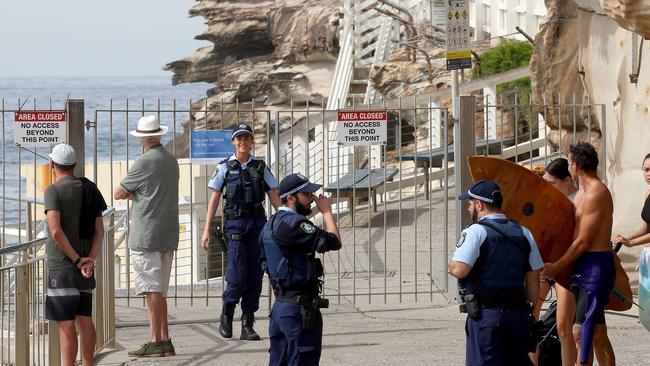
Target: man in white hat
75,237
152,185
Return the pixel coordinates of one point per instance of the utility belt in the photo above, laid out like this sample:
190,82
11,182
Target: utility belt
309,307
241,211
511,299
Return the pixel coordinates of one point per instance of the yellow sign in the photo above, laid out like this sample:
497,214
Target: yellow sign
450,15
459,54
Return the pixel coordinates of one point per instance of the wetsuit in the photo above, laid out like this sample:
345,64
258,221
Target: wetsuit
592,283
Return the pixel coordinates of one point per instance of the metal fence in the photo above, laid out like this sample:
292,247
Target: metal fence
395,226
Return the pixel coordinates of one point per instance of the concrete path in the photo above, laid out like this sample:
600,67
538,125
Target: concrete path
372,335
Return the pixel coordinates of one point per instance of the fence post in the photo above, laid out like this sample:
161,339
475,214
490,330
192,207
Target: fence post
109,250
464,131
22,312
76,125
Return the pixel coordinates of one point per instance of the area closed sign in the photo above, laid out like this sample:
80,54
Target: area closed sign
362,127
40,128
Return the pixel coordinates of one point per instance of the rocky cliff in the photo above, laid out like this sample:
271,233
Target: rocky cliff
263,53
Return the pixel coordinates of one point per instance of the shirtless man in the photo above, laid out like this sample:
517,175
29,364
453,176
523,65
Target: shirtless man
590,254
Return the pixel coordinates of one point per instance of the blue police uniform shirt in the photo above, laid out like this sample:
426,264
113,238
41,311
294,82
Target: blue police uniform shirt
297,232
468,247
219,175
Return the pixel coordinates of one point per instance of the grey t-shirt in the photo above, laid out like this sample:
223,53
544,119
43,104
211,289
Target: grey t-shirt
153,182
64,196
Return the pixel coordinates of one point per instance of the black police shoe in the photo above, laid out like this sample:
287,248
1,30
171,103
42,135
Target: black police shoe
247,331
225,320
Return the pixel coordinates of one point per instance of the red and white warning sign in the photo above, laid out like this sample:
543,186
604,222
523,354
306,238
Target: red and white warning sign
362,127
40,128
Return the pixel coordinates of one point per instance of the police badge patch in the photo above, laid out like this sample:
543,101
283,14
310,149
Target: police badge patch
307,227
215,173
461,240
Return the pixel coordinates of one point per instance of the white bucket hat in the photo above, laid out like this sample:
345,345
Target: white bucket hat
149,126
63,154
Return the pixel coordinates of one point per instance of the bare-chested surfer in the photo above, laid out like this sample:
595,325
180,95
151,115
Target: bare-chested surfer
590,254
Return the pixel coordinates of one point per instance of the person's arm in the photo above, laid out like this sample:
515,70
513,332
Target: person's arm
88,268
532,285
274,197
325,207
121,194
640,237
211,210
587,231
459,269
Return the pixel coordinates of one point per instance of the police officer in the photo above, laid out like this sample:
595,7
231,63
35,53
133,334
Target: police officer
497,263
246,181
289,245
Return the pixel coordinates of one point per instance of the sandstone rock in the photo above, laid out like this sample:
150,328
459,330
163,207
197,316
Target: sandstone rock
633,15
257,43
556,77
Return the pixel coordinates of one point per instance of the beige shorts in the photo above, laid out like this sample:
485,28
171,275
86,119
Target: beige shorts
152,271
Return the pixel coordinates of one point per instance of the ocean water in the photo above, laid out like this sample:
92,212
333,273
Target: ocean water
106,101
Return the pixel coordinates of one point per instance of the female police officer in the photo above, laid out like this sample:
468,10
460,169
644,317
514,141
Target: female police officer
497,263
246,180
289,242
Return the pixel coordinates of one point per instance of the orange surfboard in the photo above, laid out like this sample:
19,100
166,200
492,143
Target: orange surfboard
545,211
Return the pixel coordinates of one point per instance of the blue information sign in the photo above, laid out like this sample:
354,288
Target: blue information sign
210,146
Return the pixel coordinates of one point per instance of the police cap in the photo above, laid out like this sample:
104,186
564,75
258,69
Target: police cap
295,183
241,129
484,190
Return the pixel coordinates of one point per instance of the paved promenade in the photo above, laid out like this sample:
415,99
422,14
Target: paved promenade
429,333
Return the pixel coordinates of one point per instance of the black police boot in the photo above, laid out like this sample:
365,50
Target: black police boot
247,331
225,321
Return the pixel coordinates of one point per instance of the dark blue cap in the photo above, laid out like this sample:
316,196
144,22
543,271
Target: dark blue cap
295,183
241,129
484,190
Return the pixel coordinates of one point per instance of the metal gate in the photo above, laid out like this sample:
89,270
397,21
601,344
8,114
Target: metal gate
392,200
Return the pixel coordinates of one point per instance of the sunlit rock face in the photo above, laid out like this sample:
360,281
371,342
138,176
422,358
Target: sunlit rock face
633,15
557,77
275,50
263,55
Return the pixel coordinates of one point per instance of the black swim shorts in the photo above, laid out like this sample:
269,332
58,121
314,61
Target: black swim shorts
69,294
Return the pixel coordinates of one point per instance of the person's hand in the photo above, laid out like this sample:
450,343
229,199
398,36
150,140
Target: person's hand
83,261
620,239
550,270
323,204
88,269
205,240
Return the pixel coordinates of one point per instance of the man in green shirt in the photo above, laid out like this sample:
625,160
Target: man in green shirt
71,205
152,185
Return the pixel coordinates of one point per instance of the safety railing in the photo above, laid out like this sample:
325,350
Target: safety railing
26,337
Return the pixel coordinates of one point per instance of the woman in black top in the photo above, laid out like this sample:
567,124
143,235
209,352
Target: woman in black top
641,236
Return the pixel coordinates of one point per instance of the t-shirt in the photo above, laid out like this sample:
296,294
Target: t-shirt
65,196
153,183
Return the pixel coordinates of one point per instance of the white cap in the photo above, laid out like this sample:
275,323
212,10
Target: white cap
149,126
63,154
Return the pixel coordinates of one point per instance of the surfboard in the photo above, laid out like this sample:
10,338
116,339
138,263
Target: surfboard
644,289
534,203
545,211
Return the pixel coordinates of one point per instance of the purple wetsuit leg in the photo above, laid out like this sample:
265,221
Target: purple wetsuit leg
594,273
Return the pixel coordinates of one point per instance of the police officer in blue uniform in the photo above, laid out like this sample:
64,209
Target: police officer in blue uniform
246,182
498,264
289,245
